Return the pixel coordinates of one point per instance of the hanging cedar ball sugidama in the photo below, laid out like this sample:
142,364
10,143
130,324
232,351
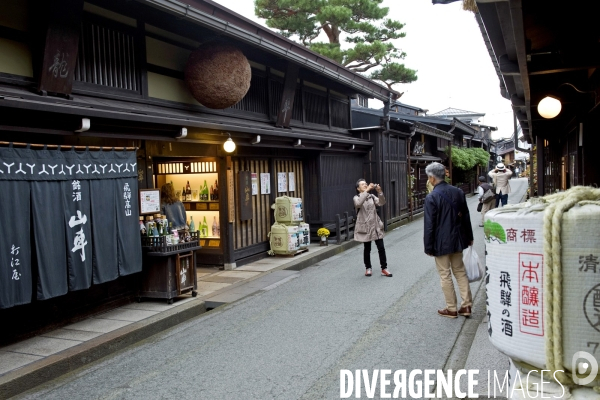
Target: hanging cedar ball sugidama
218,75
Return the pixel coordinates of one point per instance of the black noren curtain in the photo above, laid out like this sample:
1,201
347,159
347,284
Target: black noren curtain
82,208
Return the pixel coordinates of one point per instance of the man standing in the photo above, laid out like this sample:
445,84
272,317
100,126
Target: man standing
486,205
447,233
501,175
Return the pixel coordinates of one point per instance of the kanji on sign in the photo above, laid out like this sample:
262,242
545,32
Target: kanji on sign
14,250
505,298
505,280
529,272
530,318
82,219
511,235
588,263
530,296
76,185
507,327
79,243
528,235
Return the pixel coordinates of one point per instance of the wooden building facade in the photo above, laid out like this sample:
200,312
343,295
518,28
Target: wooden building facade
111,74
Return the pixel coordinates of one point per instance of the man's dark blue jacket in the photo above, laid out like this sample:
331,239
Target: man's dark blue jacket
445,231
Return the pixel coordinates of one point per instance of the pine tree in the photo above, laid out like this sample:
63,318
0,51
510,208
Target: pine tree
367,30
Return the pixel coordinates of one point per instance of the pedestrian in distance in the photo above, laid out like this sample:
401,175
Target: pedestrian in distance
369,227
486,205
501,175
447,233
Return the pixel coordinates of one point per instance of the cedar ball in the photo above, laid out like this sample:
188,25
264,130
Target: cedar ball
218,75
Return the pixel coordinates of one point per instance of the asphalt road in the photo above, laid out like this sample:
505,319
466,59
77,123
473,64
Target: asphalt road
291,342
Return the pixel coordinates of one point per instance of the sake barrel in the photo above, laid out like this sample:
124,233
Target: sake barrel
288,210
284,239
517,291
304,234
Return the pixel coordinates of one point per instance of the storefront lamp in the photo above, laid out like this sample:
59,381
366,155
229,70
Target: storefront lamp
229,145
549,107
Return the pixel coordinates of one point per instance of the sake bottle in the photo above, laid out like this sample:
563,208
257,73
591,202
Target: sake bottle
142,226
205,191
204,227
216,191
192,225
188,192
212,193
214,227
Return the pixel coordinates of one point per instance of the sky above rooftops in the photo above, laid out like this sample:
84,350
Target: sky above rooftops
444,44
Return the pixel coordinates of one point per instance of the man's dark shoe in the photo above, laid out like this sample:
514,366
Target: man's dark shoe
384,272
447,313
368,272
465,311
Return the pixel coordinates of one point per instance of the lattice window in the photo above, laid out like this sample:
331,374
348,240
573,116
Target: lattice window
107,57
340,114
316,108
256,98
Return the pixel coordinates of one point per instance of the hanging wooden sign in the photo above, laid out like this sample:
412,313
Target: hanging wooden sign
245,195
230,197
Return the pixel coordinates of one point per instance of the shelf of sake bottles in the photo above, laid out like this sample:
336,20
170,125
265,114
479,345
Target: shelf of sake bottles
201,205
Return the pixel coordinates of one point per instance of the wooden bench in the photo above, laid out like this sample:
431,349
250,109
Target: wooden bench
341,229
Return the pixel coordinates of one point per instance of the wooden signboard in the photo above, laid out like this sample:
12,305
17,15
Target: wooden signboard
61,47
230,198
284,115
245,195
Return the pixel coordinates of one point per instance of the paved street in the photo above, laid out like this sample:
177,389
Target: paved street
292,340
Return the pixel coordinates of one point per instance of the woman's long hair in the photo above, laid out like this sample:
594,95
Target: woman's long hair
167,194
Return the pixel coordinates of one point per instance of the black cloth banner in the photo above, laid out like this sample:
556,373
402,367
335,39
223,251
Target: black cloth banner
15,246
128,228
77,221
49,238
104,231
82,207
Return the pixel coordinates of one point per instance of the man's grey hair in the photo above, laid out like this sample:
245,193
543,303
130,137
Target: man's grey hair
437,170
359,181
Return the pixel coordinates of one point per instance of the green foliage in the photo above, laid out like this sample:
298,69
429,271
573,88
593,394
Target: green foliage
363,21
467,158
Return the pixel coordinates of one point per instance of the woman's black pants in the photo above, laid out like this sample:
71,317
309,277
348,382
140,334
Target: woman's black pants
380,249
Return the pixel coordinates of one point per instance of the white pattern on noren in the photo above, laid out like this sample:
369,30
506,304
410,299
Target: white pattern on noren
52,166
70,169
8,165
20,169
43,171
31,167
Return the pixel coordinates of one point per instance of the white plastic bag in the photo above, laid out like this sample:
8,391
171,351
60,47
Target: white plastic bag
472,265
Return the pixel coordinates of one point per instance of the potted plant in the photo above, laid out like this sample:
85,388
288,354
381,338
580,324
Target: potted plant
323,233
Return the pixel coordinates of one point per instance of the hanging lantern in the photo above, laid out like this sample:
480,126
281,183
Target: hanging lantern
218,75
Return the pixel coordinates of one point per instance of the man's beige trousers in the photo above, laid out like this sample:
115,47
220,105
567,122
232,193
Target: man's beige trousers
487,207
454,262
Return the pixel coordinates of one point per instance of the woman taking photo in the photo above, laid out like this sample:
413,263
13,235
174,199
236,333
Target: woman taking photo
368,226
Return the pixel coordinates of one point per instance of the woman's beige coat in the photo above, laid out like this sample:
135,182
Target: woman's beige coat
368,226
501,180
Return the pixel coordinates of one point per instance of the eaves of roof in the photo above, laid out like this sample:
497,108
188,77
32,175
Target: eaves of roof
127,112
216,17
463,127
